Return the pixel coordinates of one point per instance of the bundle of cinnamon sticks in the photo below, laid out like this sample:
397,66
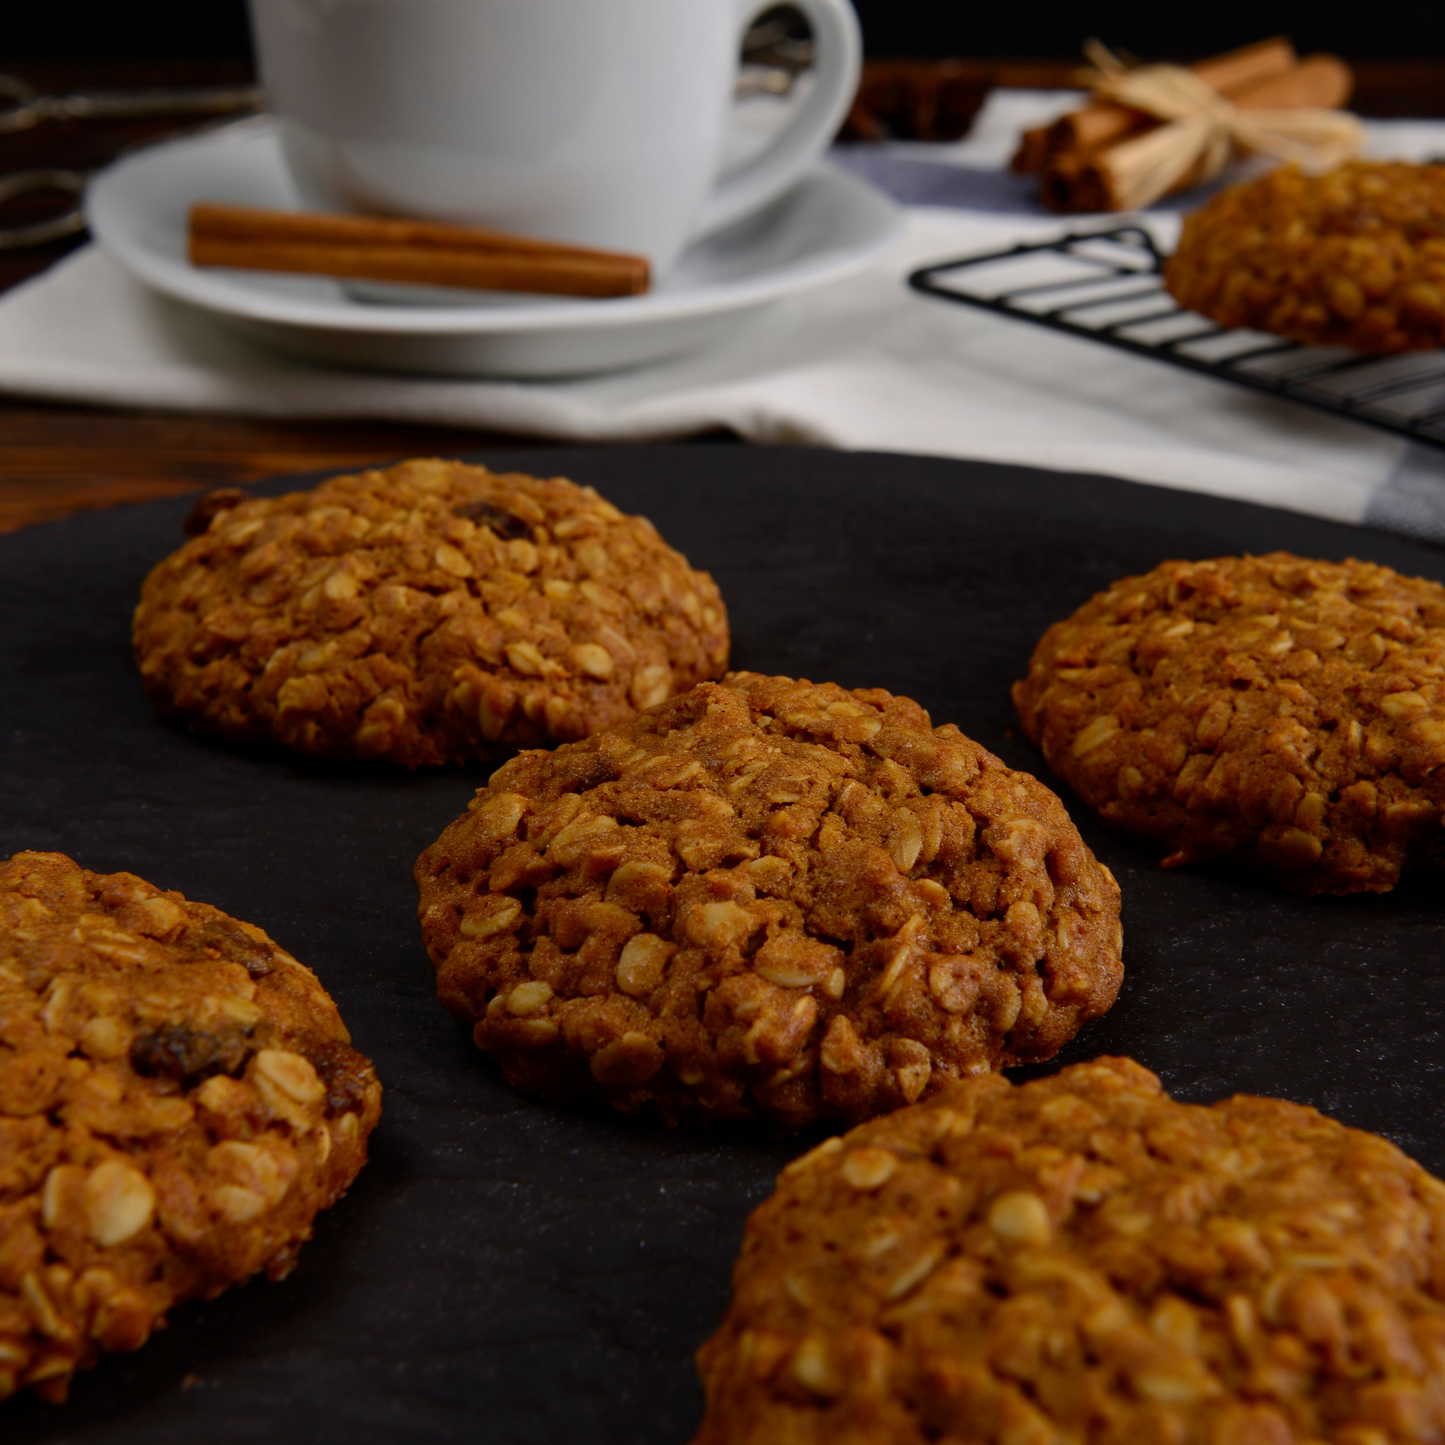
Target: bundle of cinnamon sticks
1083,159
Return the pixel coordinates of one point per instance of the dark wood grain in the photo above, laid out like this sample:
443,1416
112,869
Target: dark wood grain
59,460
55,460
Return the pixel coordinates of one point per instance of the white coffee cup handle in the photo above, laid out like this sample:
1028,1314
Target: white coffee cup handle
838,48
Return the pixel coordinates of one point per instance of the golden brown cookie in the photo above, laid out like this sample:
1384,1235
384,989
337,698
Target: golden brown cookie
1082,1259
767,897
1284,713
429,613
1352,258
178,1099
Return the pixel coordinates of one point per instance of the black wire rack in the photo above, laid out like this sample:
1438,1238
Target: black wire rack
1107,286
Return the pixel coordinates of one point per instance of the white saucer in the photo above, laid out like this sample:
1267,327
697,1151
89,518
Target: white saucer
828,227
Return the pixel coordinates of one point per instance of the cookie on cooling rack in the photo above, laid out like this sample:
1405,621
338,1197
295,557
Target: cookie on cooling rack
768,898
1286,713
1352,258
178,1099
429,613
1084,1258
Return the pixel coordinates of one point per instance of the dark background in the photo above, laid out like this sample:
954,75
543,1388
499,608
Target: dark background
217,28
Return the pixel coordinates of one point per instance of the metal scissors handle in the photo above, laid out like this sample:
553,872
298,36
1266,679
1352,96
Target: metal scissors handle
28,109
52,228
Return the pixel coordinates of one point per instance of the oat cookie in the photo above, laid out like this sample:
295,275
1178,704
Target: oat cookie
429,613
1082,1259
1285,713
767,897
1352,258
178,1098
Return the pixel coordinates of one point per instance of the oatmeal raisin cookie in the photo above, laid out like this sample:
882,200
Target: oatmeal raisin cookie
1286,713
767,897
1353,258
178,1099
429,613
1082,1258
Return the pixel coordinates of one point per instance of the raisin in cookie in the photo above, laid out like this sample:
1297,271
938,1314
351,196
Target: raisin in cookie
1352,258
178,1098
429,613
767,897
1285,713
1084,1259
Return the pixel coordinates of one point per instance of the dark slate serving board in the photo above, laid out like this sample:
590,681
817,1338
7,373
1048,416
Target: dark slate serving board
507,1272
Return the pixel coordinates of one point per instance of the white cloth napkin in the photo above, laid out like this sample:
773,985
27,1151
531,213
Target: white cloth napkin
862,364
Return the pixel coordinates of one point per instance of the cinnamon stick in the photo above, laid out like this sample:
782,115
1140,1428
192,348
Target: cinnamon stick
421,252
1070,183
1102,122
1323,82
1032,152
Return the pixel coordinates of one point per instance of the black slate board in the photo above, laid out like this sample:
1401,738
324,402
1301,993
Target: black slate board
507,1272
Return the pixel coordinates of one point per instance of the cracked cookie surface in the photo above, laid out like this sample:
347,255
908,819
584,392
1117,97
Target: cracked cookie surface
178,1099
432,612
1084,1259
1286,713
767,897
1353,258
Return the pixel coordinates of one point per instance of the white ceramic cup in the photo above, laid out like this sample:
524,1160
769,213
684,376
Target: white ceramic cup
596,122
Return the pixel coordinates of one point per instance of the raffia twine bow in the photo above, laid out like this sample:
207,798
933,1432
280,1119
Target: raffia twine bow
1203,131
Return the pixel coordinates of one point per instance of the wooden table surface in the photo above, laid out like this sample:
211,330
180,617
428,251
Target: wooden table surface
55,460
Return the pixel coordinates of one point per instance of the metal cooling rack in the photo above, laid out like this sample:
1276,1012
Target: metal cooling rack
1107,286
